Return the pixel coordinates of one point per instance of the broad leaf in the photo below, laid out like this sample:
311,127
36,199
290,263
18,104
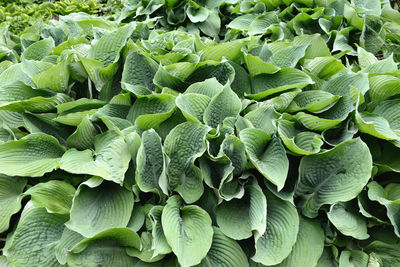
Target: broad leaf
183,145
33,242
100,208
333,176
32,155
10,198
238,218
188,231
110,160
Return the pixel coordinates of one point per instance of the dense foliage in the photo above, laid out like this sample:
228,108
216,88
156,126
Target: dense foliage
21,14
207,133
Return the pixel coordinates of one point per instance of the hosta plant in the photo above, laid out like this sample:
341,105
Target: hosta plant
203,133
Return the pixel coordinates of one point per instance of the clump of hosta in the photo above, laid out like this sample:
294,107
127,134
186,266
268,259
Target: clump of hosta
241,133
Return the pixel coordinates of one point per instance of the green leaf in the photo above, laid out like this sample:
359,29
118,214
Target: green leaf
388,197
354,258
216,172
277,242
222,71
257,66
72,113
211,26
382,122
55,196
345,217
242,22
288,56
160,244
33,67
55,78
263,118
137,217
333,176
238,218
19,97
10,198
32,155
308,247
44,123
373,33
100,208
299,142
324,67
209,87
15,74
235,150
163,78
340,84
12,119
193,105
107,248
313,101
283,80
224,252
4,262
267,154
39,49
386,253
337,135
150,162
197,13
223,105
368,7
97,73
146,254
328,258
84,135
188,231
139,70
110,160
108,47
369,63
33,242
261,23
383,86
329,118
150,111
241,84
228,50
183,145
67,241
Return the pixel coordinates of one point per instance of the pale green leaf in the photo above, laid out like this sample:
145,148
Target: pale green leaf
267,154
55,196
105,249
223,105
282,228
224,252
238,218
345,217
183,145
100,208
333,176
150,162
33,155
283,80
33,242
188,231
110,160
10,198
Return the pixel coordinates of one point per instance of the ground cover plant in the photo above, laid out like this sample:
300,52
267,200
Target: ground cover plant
219,133
20,14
